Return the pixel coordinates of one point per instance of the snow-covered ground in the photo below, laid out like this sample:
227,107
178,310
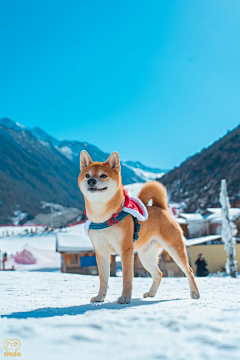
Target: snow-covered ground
13,244
51,315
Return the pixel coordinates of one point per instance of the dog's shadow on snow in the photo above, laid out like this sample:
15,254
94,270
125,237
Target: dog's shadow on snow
49,312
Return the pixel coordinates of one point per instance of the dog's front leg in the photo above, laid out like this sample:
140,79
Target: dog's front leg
127,269
104,272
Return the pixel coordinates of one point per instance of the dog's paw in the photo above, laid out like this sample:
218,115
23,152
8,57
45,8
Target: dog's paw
98,298
195,294
124,300
149,294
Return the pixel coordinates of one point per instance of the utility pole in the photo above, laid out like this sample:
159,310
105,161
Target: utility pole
228,231
51,218
4,260
50,205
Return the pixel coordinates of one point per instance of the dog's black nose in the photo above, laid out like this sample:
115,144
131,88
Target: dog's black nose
92,182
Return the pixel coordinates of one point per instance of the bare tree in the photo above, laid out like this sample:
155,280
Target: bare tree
228,231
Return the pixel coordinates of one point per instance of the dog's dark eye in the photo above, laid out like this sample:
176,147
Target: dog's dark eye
87,176
103,176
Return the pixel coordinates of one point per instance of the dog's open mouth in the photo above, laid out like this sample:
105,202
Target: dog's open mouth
94,189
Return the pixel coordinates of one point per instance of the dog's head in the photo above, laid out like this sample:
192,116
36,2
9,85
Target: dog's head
99,181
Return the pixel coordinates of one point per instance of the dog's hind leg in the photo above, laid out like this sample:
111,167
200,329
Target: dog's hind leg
179,255
148,256
104,273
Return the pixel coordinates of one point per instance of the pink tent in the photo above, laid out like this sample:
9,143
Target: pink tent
24,257
33,259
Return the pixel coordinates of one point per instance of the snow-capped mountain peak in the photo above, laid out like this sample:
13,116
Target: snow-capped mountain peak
141,171
11,124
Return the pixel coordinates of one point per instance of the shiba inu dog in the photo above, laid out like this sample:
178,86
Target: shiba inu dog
101,185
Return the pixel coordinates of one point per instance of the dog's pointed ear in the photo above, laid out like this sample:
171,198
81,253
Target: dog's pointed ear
85,160
114,162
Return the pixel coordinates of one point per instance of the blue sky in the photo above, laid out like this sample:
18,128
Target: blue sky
154,80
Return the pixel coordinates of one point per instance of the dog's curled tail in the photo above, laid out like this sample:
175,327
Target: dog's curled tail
155,191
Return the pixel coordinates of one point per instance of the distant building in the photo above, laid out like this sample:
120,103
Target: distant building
78,254
193,225
209,223
214,218
213,250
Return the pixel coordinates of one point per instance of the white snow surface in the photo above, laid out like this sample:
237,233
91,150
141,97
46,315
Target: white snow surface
202,239
51,315
42,247
46,260
14,244
192,217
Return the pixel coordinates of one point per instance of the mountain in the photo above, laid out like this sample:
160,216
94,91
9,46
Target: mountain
147,173
132,171
197,180
31,172
139,165
36,167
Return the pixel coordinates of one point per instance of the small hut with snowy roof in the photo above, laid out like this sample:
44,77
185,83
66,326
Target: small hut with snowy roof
78,254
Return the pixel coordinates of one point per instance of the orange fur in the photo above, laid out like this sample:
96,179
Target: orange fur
159,231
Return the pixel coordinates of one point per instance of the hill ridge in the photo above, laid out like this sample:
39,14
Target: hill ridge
196,181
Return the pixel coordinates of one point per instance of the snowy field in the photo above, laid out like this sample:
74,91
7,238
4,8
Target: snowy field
51,315
13,244
42,248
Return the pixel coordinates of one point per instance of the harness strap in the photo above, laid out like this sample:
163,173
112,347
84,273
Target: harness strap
112,221
136,228
115,220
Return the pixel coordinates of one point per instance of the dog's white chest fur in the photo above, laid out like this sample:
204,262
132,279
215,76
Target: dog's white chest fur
107,241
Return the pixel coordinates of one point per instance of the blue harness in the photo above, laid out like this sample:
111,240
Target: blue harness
115,220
